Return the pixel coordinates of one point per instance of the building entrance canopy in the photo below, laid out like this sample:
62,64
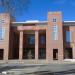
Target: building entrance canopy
31,27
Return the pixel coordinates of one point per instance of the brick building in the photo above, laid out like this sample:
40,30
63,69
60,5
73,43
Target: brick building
49,40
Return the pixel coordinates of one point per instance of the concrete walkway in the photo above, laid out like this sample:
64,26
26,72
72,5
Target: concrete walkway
52,68
37,61
42,67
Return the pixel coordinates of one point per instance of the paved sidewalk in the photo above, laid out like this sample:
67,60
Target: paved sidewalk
39,69
37,61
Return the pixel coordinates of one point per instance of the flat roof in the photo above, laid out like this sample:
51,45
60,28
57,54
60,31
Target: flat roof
65,23
69,21
30,22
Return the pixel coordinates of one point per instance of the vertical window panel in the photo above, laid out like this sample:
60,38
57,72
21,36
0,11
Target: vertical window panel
68,36
55,32
42,39
54,19
2,33
31,39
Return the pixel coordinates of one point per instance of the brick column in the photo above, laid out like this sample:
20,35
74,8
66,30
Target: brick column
36,44
49,46
72,30
21,45
5,55
73,50
60,53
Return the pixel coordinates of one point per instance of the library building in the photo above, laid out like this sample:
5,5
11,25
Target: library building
51,40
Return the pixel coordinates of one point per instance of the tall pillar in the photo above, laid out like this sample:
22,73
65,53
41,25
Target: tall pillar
72,44
54,35
21,45
60,53
5,55
36,44
73,51
49,49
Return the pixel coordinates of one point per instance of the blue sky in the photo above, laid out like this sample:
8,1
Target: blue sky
38,10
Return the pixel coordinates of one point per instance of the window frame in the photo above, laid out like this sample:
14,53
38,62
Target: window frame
54,19
55,32
2,33
41,41
68,36
29,38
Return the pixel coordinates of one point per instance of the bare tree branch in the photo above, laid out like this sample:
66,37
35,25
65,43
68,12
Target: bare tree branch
14,6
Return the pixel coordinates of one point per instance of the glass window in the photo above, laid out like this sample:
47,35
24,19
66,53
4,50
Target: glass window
42,39
54,19
2,33
42,53
2,21
55,32
31,39
68,36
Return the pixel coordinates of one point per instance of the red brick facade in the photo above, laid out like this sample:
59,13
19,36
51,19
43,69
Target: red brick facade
15,43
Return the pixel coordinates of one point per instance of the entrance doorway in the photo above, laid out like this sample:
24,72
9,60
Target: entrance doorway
16,53
68,53
1,54
29,53
55,54
42,53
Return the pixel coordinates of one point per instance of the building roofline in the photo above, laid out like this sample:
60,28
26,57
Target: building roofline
39,22
65,23
69,21
29,22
